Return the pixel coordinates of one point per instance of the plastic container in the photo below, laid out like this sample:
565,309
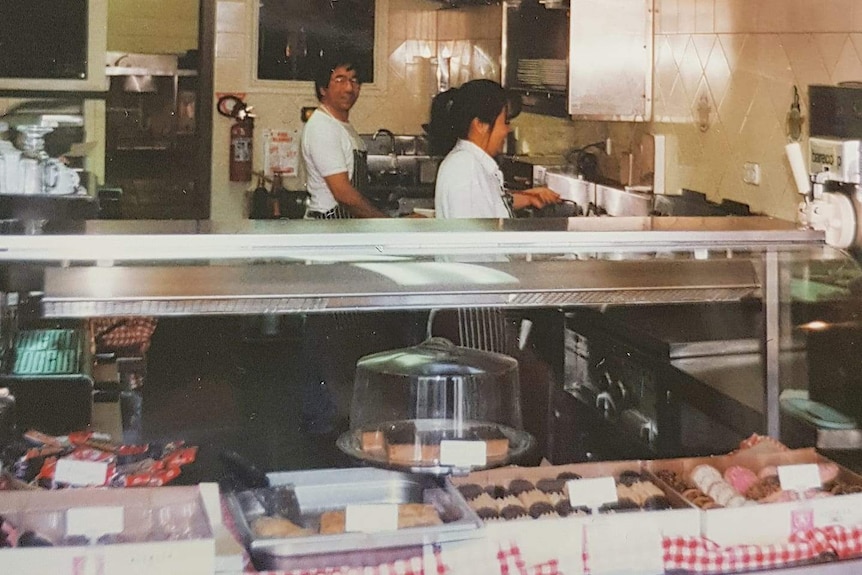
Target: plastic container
436,408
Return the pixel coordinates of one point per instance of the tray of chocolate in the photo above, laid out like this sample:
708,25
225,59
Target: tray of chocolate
523,493
414,445
304,514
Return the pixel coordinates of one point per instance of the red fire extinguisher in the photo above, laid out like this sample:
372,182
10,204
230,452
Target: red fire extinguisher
241,137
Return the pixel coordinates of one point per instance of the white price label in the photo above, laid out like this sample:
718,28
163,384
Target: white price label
592,493
371,518
76,472
463,453
94,521
799,477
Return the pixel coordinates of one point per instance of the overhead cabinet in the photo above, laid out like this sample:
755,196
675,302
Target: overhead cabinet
610,59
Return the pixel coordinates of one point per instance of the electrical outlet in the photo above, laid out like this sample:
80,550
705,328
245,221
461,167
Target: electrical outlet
751,173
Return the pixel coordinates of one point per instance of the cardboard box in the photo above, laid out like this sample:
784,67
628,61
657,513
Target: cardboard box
769,522
168,530
628,542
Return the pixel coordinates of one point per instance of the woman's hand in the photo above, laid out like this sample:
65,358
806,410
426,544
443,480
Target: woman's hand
535,197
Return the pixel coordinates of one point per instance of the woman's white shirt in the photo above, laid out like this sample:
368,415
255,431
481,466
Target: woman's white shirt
327,149
469,185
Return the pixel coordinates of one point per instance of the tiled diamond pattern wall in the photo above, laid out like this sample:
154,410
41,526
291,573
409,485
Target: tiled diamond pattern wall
725,72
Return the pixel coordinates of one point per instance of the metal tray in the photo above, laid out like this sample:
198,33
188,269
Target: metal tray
318,491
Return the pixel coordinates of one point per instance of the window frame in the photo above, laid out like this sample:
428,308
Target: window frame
305,87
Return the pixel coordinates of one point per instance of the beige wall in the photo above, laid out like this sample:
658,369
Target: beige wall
152,26
740,59
416,31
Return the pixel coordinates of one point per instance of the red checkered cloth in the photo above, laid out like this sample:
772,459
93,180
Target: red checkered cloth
698,555
511,563
846,541
125,336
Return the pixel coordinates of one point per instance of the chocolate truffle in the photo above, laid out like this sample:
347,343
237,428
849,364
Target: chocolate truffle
513,512
471,490
486,513
541,508
550,485
519,486
496,491
629,478
563,508
568,475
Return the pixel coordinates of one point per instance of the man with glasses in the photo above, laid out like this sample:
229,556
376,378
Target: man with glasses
332,150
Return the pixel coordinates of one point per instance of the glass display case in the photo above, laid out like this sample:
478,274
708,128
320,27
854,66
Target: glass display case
673,336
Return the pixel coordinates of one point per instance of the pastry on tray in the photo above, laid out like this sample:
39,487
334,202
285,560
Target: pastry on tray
404,444
274,527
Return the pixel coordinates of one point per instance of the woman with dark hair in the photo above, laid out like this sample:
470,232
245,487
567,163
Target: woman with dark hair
469,125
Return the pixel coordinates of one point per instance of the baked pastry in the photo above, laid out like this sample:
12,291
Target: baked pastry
272,527
763,488
496,491
741,478
488,513
675,481
373,441
568,475
470,490
333,522
404,444
551,485
510,512
540,508
519,486
417,515
629,477
705,475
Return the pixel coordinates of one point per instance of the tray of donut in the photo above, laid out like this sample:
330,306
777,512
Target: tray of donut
761,498
507,498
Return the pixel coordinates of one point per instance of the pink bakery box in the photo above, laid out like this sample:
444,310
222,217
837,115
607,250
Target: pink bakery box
769,523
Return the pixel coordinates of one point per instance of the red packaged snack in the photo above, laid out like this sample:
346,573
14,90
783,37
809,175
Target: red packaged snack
45,451
90,454
150,479
181,457
47,470
80,437
39,438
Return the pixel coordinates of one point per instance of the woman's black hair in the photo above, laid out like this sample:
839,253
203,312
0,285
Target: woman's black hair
326,66
453,111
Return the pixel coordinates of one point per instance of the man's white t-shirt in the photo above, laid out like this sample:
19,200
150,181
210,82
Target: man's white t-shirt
469,185
327,149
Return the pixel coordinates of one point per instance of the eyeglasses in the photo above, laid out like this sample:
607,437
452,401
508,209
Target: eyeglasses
341,80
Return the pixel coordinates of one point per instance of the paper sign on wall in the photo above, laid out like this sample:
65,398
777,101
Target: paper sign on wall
281,152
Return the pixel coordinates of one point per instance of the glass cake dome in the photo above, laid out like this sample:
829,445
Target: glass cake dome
437,408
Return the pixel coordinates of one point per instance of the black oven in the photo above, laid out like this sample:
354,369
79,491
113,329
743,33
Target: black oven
636,396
